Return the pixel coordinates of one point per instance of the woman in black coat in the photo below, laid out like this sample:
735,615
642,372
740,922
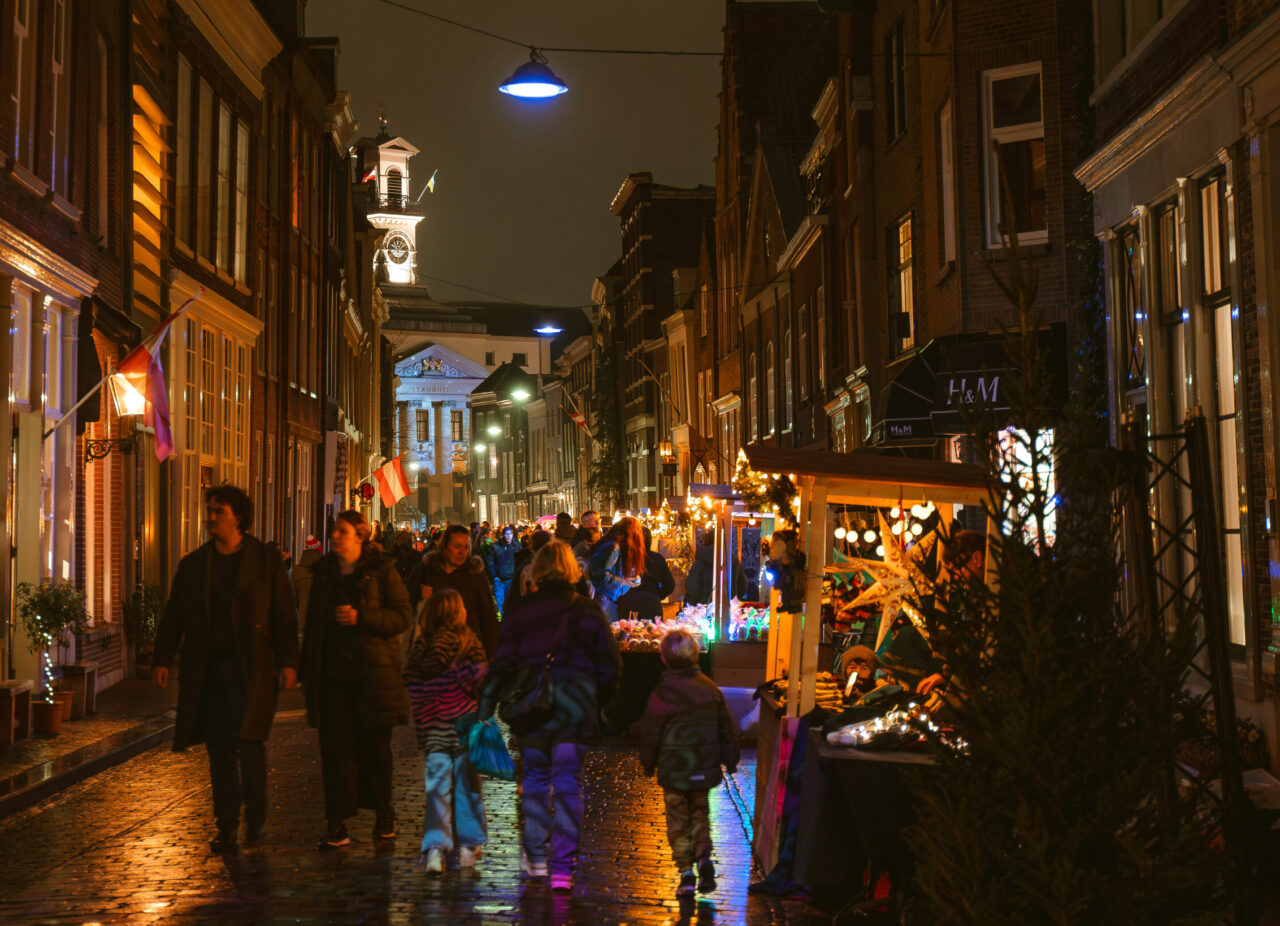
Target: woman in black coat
351,666
453,566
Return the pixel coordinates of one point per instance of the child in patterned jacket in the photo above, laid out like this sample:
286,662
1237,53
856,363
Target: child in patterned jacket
444,672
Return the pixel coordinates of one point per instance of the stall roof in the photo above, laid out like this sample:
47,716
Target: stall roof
875,479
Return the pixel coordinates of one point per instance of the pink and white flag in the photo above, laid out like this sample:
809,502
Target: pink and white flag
392,485
142,369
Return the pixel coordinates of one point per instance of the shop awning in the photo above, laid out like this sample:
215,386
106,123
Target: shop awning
876,479
928,393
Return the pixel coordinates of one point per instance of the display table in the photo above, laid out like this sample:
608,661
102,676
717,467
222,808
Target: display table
855,806
640,674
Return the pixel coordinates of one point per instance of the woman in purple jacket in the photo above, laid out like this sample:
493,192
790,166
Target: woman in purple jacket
570,629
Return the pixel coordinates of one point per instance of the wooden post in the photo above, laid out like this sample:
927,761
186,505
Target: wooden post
817,551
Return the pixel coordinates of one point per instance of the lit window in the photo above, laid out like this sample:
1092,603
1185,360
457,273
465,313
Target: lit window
902,314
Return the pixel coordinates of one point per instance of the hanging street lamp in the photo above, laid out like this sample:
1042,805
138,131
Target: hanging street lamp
534,80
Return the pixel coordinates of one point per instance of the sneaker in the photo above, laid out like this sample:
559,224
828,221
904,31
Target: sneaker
531,869
225,841
706,875
384,824
435,862
335,837
688,882
467,856
561,882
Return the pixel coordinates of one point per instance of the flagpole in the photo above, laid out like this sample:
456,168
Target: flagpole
688,424
595,443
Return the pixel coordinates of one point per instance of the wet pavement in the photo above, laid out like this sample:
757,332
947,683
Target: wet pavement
130,845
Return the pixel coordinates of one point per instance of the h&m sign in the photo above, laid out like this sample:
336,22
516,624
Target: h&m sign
968,389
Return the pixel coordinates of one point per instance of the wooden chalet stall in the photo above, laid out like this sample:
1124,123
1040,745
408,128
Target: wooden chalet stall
825,479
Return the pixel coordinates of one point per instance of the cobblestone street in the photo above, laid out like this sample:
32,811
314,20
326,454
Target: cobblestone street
131,846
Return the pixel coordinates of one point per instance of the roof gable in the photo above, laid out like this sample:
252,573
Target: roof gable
436,360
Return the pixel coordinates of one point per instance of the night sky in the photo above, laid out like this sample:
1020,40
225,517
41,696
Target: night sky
521,204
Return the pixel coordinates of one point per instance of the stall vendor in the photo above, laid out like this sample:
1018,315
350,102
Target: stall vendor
858,664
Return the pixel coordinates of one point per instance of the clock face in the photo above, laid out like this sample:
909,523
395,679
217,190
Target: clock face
397,249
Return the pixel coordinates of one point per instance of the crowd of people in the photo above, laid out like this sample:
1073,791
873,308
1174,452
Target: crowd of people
441,631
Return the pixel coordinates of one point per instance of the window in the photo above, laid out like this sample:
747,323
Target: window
53,359
103,142
223,258
228,374
1122,26
1212,237
895,82
947,185
1015,127
902,287
820,307
204,169
313,344
291,297
20,336
242,404
753,400
423,416
60,102
208,378
1132,307
804,351
770,391
191,387
268,527
704,309
24,82
242,202
272,326
489,358
305,476
520,360
788,394
394,186
455,424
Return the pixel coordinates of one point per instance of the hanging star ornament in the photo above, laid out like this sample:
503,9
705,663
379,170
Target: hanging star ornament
903,575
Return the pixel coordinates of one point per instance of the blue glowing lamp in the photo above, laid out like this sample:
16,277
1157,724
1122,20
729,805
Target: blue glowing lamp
534,80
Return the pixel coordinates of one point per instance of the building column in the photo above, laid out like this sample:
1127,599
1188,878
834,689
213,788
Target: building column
6,532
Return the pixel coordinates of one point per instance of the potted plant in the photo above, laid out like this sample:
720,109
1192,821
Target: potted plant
51,614
141,620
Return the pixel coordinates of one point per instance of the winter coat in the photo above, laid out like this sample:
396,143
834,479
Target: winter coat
383,615
586,661
687,732
501,560
266,633
471,582
698,586
444,674
300,576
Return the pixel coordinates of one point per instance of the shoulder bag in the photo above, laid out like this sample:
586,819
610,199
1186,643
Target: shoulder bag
532,699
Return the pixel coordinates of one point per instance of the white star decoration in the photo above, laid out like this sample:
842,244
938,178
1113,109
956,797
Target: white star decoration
897,577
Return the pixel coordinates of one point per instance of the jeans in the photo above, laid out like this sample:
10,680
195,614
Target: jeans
454,809
500,587
237,767
355,760
688,826
556,768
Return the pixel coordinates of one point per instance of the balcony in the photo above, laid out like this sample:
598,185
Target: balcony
394,205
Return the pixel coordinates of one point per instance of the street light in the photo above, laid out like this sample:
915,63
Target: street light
547,329
481,448
130,404
519,394
493,430
534,80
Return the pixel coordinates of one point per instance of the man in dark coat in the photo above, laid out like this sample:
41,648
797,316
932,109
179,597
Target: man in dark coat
231,615
453,566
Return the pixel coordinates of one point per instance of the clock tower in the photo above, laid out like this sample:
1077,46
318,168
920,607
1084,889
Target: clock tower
383,169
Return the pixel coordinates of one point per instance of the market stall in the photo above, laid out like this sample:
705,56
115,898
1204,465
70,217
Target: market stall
822,480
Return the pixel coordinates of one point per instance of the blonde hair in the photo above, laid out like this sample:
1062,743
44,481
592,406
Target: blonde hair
679,649
444,609
555,562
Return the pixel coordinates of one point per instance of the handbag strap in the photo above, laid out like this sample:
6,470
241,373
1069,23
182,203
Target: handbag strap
555,641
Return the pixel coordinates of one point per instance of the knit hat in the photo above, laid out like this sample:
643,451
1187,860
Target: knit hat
311,543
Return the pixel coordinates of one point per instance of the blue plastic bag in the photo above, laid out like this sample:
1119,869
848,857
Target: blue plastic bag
488,751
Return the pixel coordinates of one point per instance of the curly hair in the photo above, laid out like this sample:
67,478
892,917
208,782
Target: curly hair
237,500
631,547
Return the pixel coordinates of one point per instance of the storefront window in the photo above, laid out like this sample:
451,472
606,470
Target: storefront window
1026,467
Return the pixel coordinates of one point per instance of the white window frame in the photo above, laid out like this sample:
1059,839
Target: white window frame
753,400
904,272
239,267
1027,131
770,390
788,386
60,93
803,341
223,204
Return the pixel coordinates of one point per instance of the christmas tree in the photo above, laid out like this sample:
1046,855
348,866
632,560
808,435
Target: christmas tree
1059,809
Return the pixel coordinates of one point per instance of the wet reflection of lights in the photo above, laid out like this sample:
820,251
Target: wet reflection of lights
157,906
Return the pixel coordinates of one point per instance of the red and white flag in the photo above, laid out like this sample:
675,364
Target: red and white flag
392,485
369,174
142,370
579,419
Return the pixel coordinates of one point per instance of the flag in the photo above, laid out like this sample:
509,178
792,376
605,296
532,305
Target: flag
142,369
392,485
578,419
431,184
370,174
